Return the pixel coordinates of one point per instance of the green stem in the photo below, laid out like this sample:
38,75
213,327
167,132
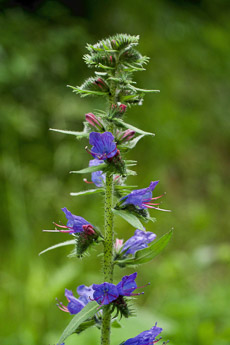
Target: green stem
108,255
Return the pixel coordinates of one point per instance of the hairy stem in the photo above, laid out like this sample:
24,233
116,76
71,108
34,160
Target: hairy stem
108,255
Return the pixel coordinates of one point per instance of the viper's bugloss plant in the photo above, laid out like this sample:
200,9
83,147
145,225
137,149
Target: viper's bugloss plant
109,138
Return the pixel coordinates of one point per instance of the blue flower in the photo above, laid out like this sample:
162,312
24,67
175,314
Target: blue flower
97,177
105,293
146,337
77,304
140,197
137,242
127,285
75,224
104,146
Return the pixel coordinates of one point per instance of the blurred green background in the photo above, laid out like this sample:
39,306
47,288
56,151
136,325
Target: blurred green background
41,48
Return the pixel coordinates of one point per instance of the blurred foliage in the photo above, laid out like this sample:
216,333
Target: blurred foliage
41,52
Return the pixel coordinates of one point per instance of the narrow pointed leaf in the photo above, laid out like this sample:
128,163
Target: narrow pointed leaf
127,125
145,255
143,90
132,143
131,172
88,192
76,134
130,218
87,312
62,244
90,169
85,325
116,324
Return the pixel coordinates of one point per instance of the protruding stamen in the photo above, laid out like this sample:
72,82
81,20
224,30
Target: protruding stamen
157,208
61,226
61,306
86,181
137,294
141,287
51,230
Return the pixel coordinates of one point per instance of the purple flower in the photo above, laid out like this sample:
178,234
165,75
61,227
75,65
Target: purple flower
76,224
146,337
77,304
141,198
137,242
127,285
97,177
105,293
104,146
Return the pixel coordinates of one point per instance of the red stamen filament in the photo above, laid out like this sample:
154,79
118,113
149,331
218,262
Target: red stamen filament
157,208
86,181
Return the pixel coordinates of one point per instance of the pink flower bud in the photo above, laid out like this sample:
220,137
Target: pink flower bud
118,244
122,108
127,135
93,121
101,84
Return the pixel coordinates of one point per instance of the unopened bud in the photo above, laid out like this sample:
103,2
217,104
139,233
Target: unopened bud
118,244
127,135
93,121
114,44
122,108
101,84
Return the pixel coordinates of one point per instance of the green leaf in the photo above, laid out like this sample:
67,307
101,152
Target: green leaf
85,325
88,192
76,134
143,90
132,143
130,163
116,324
145,255
125,187
87,312
127,125
90,169
130,218
130,172
62,244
